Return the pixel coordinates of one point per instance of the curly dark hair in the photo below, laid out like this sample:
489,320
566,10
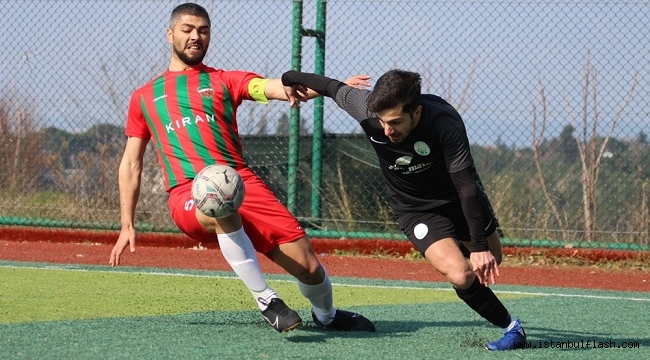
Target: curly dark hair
394,88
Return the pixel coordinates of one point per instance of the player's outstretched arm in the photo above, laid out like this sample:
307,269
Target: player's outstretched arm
296,92
274,90
130,172
310,82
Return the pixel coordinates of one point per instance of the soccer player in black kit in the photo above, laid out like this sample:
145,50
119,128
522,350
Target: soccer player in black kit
432,184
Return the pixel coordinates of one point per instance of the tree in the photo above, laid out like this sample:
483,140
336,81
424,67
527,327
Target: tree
20,147
537,136
591,147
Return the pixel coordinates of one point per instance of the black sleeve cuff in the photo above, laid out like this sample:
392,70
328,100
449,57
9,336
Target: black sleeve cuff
321,84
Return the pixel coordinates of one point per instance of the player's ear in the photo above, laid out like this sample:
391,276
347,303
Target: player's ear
418,111
169,36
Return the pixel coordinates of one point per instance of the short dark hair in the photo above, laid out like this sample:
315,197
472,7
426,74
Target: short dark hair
396,87
188,9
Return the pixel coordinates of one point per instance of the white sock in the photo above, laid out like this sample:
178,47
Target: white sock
238,251
321,298
512,324
264,297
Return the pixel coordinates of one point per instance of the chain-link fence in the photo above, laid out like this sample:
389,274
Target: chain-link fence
554,95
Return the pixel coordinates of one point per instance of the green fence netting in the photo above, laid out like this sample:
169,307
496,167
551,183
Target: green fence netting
554,95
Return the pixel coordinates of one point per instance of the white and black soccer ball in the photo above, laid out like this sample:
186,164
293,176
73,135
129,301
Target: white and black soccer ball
218,191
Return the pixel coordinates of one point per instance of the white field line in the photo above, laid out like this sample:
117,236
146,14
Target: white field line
158,273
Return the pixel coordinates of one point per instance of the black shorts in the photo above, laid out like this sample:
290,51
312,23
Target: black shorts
448,221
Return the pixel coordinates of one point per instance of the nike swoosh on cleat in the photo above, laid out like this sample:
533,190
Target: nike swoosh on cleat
275,323
377,141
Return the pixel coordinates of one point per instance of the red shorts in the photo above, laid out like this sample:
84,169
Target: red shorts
266,221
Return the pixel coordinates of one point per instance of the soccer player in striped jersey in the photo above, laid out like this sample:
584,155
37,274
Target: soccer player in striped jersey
189,112
432,184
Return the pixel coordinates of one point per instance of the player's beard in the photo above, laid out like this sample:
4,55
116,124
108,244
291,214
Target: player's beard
402,135
188,59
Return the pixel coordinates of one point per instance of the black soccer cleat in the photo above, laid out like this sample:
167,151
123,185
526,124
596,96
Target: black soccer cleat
346,321
280,316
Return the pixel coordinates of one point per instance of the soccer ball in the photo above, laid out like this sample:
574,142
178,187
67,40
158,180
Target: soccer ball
218,191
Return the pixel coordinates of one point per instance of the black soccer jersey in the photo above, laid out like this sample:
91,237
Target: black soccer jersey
416,171
431,167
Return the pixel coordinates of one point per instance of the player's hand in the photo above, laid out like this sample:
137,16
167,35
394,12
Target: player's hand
127,237
296,94
358,81
485,267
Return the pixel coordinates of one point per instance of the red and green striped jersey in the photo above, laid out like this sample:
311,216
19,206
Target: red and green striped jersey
191,116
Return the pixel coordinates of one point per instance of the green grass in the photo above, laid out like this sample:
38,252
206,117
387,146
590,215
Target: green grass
47,294
94,312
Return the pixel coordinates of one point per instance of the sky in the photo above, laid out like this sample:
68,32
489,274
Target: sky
73,64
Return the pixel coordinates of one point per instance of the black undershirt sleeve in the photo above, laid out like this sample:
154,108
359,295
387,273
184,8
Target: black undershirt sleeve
470,200
321,84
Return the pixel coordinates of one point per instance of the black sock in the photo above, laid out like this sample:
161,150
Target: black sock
482,300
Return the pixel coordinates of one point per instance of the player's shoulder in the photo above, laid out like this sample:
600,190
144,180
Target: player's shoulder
436,107
149,84
213,70
438,104
355,102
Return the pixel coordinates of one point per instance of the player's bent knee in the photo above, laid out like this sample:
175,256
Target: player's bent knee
302,274
461,280
308,275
